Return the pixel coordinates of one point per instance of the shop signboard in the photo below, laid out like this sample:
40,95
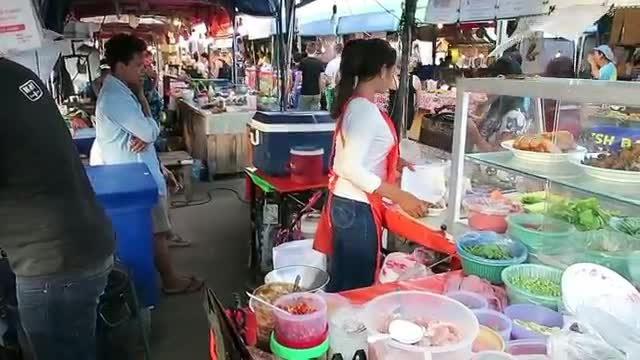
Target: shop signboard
603,137
19,28
443,11
515,8
474,10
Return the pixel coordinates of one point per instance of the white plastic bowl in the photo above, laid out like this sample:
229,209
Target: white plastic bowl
418,304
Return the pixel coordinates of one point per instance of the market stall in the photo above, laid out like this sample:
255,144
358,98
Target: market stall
532,218
217,139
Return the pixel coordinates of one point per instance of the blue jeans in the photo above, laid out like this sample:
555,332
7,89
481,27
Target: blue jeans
355,245
58,313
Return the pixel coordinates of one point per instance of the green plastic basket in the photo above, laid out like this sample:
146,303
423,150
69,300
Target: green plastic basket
487,269
555,234
518,295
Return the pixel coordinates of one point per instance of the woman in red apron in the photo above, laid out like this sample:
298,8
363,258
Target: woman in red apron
365,163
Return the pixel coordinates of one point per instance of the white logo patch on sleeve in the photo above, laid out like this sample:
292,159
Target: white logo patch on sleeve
31,90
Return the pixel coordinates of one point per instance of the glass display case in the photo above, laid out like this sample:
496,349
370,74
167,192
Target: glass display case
553,164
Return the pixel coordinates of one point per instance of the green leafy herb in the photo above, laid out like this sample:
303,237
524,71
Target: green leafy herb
585,214
489,251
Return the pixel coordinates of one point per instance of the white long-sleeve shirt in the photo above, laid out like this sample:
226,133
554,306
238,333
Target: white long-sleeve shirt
360,162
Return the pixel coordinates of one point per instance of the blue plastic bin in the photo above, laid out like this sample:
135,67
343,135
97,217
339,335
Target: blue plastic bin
274,134
128,193
84,138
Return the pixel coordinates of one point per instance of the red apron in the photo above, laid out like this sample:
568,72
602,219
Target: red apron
323,240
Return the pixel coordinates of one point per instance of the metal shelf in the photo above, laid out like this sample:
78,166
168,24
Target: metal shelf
566,174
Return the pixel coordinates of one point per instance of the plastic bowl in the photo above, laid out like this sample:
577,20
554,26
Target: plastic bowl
488,269
301,329
487,215
495,321
412,305
492,355
264,315
469,299
311,279
488,340
539,232
527,347
537,314
518,295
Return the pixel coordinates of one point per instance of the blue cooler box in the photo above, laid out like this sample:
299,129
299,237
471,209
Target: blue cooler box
84,138
128,193
274,134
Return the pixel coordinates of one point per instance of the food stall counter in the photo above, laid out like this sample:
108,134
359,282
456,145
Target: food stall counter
434,283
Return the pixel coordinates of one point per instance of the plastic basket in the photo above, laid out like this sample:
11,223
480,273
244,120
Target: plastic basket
490,270
554,235
518,295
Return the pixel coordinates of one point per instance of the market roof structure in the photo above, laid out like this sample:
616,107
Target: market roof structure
55,12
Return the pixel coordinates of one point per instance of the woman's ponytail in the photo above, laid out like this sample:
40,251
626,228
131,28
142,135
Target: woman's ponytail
349,66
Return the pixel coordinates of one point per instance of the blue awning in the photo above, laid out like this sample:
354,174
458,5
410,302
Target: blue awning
368,22
317,28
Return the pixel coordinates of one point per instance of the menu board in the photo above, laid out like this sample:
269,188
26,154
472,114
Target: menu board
515,8
442,12
19,28
473,10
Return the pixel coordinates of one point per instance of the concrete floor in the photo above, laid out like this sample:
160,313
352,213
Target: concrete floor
220,232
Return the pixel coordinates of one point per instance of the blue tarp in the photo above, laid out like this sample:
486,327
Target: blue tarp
317,28
368,22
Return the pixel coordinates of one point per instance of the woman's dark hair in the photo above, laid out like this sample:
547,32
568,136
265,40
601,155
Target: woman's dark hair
560,67
362,60
122,48
505,66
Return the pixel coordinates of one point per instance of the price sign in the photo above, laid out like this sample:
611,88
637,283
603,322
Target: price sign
473,10
442,11
19,28
514,8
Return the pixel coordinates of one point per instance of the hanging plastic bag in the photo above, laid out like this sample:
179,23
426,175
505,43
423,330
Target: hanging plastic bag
400,266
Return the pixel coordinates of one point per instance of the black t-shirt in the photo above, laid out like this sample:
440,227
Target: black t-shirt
51,222
311,68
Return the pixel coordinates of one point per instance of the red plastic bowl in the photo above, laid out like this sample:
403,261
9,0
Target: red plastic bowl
306,344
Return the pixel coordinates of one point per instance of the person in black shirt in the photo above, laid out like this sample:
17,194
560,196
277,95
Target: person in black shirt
312,70
59,240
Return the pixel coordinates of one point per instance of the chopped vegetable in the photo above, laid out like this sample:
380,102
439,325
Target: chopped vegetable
534,198
585,214
489,251
538,286
535,327
629,226
299,308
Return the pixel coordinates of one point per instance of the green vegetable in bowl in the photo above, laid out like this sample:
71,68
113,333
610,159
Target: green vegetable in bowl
489,251
535,327
538,286
585,214
629,225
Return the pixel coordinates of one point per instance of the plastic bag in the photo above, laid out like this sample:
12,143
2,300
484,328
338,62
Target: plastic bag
347,333
584,345
400,266
622,332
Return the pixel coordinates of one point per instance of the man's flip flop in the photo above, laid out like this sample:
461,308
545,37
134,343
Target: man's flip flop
176,241
194,285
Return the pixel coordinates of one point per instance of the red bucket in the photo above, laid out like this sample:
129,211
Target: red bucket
306,165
